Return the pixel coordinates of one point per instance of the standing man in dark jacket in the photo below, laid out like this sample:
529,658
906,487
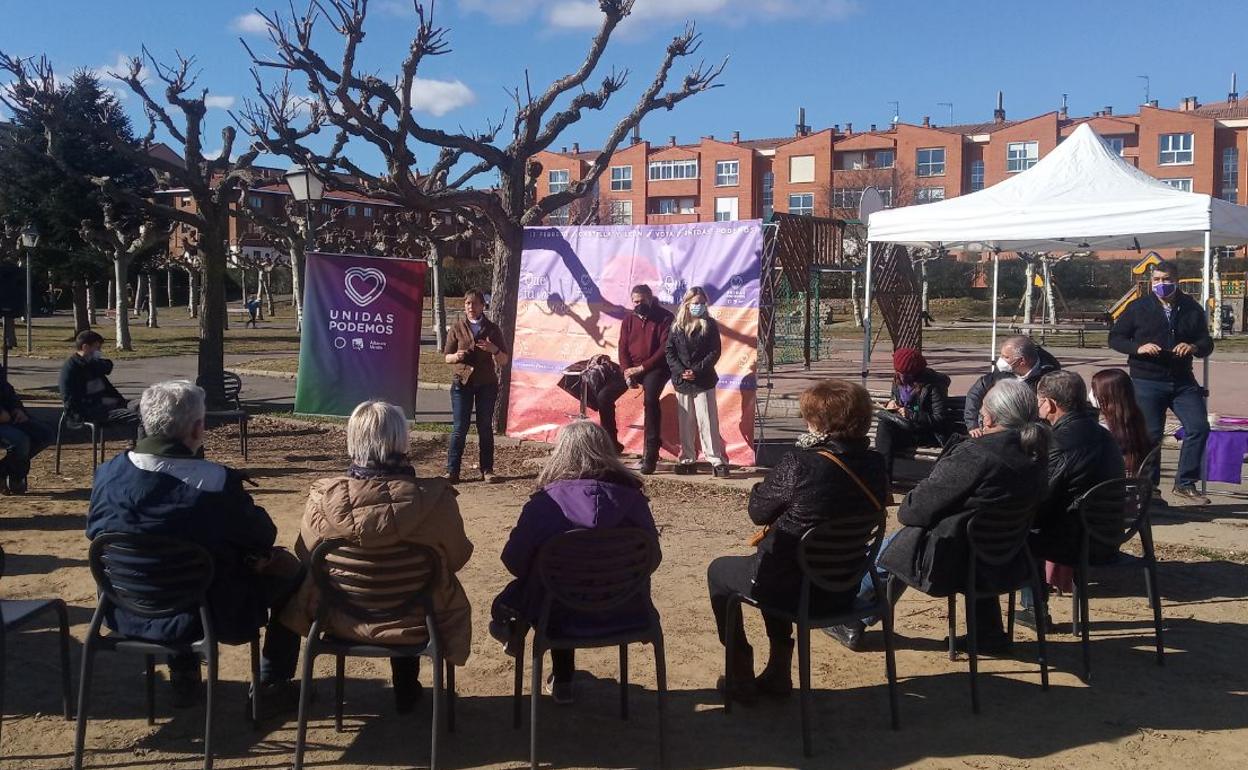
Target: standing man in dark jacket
916,413
165,487
21,436
85,389
1160,334
643,342
1020,358
475,348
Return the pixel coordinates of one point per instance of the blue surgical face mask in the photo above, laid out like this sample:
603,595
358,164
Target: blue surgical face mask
697,309
1164,290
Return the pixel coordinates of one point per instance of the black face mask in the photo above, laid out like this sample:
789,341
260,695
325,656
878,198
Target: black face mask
642,310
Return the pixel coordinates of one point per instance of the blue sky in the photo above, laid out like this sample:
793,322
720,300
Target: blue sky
844,60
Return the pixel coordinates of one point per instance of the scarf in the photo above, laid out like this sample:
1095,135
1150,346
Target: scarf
394,465
811,439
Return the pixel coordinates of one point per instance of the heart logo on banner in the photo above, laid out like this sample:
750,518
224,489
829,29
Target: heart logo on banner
364,284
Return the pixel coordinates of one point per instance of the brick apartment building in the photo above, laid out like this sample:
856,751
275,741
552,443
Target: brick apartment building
1198,147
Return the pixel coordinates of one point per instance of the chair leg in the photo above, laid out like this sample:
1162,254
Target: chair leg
890,667
972,651
437,710
730,647
210,702
305,695
149,683
1009,615
1085,626
660,675
67,687
1041,607
59,428
803,678
624,682
2,667
255,684
450,696
84,687
535,696
1155,597
242,436
517,695
1074,606
340,678
953,626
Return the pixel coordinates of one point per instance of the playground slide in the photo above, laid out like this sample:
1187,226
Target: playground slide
1120,305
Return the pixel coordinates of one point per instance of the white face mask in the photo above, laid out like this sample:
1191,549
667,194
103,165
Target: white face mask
696,309
1003,365
1092,400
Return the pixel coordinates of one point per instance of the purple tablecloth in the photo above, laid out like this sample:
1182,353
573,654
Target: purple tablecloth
1224,455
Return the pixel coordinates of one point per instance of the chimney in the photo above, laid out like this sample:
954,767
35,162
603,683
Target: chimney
1109,110
836,128
1189,103
1233,96
1064,114
927,121
637,134
998,115
563,150
736,137
671,141
802,129
1152,103
576,147
873,128
849,129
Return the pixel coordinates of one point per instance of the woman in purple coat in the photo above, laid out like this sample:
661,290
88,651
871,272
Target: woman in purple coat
582,486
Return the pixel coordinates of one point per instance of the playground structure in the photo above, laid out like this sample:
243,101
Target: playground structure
1227,295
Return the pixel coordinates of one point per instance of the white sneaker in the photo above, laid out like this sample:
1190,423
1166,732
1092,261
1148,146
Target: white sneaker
560,692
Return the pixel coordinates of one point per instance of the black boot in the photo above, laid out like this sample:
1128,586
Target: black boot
744,690
777,677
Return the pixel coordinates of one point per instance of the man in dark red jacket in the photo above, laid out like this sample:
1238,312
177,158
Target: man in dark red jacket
643,340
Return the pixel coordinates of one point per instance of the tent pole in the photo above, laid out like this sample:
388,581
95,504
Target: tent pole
866,318
1204,303
996,265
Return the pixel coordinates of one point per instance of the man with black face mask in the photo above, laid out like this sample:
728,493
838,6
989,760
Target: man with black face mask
643,340
1161,334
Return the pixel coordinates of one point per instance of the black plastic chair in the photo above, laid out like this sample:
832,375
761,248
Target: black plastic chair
222,391
594,571
97,437
1111,514
833,557
374,585
1145,470
16,613
152,576
996,537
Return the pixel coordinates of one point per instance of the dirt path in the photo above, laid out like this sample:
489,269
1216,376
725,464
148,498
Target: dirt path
1187,714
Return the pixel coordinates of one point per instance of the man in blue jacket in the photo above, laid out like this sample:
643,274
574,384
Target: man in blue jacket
166,487
1161,334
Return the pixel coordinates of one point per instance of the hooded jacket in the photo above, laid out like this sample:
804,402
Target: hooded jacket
379,512
560,507
1045,363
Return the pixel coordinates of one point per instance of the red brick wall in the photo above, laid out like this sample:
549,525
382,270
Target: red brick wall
820,146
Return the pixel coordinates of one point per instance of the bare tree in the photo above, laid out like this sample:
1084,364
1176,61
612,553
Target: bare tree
121,240
365,107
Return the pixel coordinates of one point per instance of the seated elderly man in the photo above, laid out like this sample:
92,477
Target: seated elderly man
165,487
21,437
1020,358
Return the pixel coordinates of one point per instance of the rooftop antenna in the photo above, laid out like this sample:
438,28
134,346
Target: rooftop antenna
896,112
1146,83
950,106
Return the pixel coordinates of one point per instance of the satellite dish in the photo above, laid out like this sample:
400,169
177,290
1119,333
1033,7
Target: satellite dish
870,203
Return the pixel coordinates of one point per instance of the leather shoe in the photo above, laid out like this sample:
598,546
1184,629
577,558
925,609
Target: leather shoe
1190,494
646,468
850,635
988,643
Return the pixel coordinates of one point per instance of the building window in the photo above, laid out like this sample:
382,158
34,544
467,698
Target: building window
802,204
621,178
351,211
929,195
255,201
846,197
621,212
851,161
1179,184
802,168
725,209
558,181
560,216
1020,156
1230,175
368,211
769,194
1116,143
327,208
977,175
673,169
886,193
727,174
186,200
884,159
1175,149
674,206
930,161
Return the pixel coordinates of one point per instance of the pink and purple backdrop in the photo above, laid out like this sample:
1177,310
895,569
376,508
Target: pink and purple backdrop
575,284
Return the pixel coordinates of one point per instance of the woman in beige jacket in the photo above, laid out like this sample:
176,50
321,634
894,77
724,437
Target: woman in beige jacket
380,502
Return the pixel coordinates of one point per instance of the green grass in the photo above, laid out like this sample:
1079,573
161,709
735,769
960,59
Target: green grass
433,366
324,419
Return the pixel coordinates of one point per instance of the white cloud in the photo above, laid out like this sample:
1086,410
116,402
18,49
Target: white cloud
219,102
583,14
250,24
438,97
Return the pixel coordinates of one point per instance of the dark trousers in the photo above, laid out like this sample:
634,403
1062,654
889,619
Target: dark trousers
466,399
22,441
652,383
1185,400
892,437
508,627
730,575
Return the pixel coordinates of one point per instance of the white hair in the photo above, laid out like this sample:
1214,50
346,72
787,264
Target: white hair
1012,404
582,451
171,408
376,433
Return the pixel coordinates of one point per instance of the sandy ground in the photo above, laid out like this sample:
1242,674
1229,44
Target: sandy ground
1190,713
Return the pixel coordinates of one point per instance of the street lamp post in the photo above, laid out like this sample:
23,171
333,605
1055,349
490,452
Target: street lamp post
307,187
30,239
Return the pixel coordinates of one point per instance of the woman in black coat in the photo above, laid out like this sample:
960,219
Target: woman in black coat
1004,467
916,415
805,489
692,351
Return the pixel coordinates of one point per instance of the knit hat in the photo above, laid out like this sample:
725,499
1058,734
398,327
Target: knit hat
908,361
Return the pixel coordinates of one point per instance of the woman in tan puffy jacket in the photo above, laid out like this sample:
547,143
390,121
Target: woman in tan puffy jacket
379,502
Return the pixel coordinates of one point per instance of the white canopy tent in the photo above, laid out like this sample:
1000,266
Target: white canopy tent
1080,196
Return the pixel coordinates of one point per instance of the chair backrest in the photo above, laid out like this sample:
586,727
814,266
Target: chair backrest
1113,511
1,561
835,554
220,387
151,576
1150,460
376,585
997,534
597,570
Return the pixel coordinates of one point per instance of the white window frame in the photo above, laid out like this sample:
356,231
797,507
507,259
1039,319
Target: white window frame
727,173
351,210
620,211
560,216
727,209
928,195
1228,190
1176,149
255,201
1117,144
768,194
327,208
846,197
621,178
1178,183
665,170
977,170
675,206
801,169
802,209
558,179
1020,156
368,211
931,166
875,158
854,160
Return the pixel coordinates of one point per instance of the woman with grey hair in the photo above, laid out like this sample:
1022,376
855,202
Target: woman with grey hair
582,486
380,502
1005,467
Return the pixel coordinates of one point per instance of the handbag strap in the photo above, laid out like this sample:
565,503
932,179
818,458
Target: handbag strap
857,480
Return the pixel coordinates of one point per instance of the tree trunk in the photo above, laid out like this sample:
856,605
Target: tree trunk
296,281
151,302
109,296
121,264
268,293
212,315
140,292
1029,275
169,287
923,289
1050,294
854,303
1215,312
439,298
503,305
192,302
91,314
242,279
82,314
